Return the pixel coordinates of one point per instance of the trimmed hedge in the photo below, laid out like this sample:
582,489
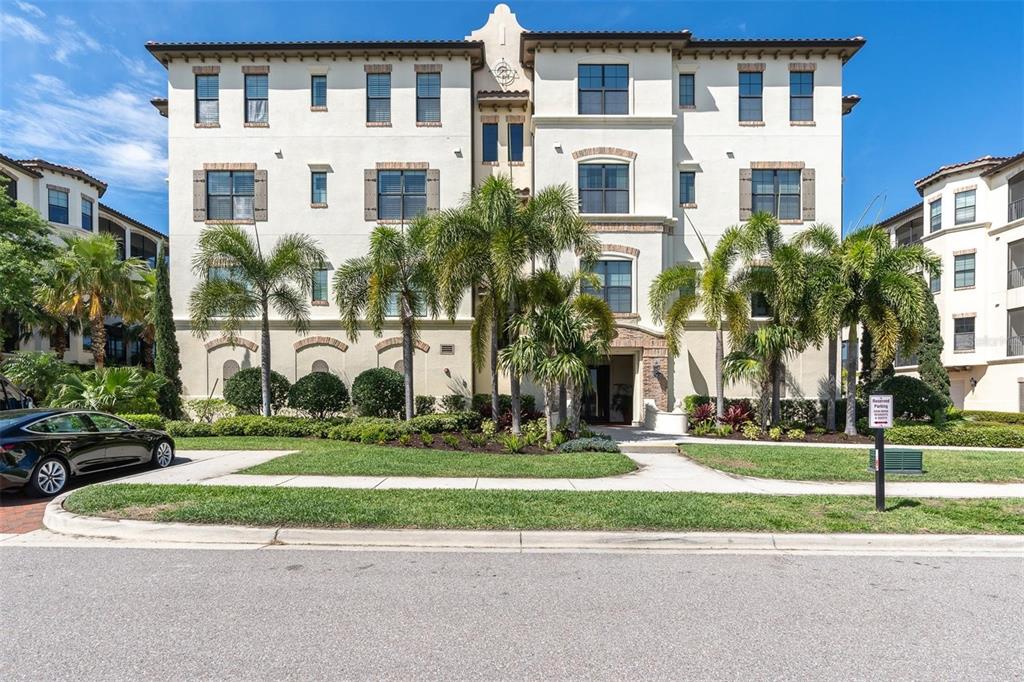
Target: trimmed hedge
145,421
912,397
379,392
588,445
183,429
482,403
368,430
245,391
286,427
977,436
443,423
425,404
318,394
991,416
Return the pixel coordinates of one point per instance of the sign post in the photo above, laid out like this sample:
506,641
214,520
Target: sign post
880,418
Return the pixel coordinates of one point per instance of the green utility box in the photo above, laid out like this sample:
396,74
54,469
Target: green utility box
899,461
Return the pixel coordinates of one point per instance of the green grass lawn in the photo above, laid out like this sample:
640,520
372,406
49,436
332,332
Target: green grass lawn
340,458
521,510
840,464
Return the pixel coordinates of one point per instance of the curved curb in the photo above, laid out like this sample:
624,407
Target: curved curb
59,520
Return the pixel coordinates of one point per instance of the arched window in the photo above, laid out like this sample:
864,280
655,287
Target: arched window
320,366
400,367
230,369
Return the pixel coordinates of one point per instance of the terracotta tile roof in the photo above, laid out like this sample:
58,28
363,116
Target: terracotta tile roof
24,169
164,52
66,170
1008,161
133,222
981,161
899,217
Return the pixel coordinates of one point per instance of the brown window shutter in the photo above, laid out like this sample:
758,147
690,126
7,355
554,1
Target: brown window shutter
199,196
259,212
807,190
433,190
746,201
370,194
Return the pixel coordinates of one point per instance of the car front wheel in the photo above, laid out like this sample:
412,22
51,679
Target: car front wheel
163,455
50,478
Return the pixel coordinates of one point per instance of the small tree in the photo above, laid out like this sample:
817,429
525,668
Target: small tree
318,394
378,392
244,391
35,372
929,352
167,363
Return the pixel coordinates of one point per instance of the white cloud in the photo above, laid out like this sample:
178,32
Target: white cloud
30,9
116,135
23,28
72,40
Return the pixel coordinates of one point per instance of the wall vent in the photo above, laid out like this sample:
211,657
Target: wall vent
447,349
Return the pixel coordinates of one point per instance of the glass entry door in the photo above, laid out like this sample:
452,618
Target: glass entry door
596,399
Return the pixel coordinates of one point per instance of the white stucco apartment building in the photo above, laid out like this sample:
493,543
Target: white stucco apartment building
69,200
662,134
972,216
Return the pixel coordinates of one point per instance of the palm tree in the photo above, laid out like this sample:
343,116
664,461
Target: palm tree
140,316
866,281
713,288
489,245
87,281
237,282
560,334
399,272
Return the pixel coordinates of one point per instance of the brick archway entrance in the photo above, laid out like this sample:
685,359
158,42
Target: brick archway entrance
654,357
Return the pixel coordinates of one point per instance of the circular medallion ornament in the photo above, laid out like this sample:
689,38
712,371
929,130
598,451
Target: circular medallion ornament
504,73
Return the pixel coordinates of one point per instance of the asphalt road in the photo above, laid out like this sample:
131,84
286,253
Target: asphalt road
90,613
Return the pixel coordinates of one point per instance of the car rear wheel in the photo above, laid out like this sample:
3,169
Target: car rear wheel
163,455
50,478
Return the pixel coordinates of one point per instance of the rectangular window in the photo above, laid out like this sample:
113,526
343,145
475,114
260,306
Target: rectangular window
490,143
208,99
1015,332
964,207
58,205
515,142
1015,207
963,333
801,95
776,192
750,95
759,305
935,215
428,98
230,195
318,91
11,188
318,185
320,286
1015,264
616,284
256,93
686,90
604,188
935,283
401,195
378,98
87,222
963,271
687,187
603,88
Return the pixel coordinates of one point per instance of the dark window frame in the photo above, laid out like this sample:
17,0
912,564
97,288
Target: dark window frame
143,248
603,89
961,275
207,77
248,98
963,338
516,144
935,215
489,148
402,193
91,215
687,90
799,98
317,286
753,78
318,95
385,80
777,193
56,213
11,188
313,176
605,292
604,190
423,100
233,194
688,190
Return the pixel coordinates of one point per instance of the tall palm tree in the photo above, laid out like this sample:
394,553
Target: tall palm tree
399,272
867,282
87,281
560,333
713,288
489,245
237,282
140,316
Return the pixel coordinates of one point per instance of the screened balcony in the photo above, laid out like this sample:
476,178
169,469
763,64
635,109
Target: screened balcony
1015,265
1015,211
1015,332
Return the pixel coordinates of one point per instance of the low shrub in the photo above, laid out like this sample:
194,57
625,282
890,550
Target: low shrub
145,421
958,434
451,440
701,429
454,402
209,410
482,403
913,398
796,434
797,412
441,423
723,430
477,440
424,404
427,438
318,394
245,393
735,415
183,429
691,402
379,392
991,416
751,431
276,426
588,445
559,438
703,414
405,439
368,430
488,428
512,443
775,433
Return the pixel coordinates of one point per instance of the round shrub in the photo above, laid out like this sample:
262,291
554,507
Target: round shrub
318,394
379,392
243,391
368,430
912,398
145,421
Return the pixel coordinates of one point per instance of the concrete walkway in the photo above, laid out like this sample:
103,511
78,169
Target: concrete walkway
662,469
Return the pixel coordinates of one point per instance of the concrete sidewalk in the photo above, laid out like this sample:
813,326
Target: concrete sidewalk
662,469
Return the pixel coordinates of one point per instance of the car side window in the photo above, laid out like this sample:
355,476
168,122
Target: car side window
104,422
63,423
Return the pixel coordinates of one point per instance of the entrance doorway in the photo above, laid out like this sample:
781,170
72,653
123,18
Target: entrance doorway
609,399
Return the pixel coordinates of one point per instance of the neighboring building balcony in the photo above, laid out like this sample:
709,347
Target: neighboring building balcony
1015,278
1015,210
1015,346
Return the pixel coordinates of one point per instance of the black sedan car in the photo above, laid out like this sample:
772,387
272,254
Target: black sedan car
43,448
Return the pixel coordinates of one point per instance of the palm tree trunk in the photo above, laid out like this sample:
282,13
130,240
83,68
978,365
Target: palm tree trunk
407,351
265,359
57,344
719,380
765,401
549,410
99,341
830,413
495,410
777,373
563,406
575,413
851,381
514,389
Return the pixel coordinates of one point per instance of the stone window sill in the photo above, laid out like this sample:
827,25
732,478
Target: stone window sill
378,124
489,163
320,303
963,350
626,316
687,107
963,288
256,124
517,163
230,222
318,205
687,205
428,124
317,108
798,124
752,124
791,222
207,125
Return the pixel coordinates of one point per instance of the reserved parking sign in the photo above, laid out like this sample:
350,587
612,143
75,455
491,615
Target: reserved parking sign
880,411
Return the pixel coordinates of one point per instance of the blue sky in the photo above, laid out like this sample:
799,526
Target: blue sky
942,82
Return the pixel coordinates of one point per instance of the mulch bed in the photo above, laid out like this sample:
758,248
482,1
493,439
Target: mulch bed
836,437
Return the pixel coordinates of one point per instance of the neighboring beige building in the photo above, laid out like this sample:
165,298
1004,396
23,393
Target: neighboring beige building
69,199
662,135
972,216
